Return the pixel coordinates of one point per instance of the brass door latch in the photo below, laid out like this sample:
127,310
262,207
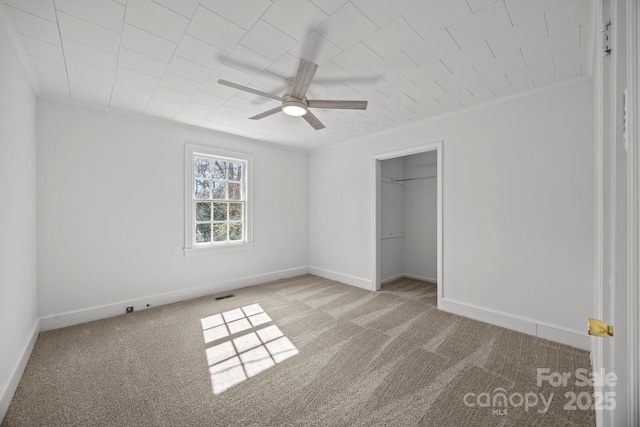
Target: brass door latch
598,328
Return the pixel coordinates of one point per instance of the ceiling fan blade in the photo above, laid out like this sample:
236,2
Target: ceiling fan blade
266,113
313,121
250,90
343,105
306,71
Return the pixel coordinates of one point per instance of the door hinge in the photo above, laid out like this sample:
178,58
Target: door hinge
606,39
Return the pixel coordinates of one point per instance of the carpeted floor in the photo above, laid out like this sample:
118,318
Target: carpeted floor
297,352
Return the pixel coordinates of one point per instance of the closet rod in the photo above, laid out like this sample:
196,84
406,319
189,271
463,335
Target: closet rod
413,179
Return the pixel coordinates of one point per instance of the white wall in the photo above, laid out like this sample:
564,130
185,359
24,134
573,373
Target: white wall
518,207
421,217
18,299
110,212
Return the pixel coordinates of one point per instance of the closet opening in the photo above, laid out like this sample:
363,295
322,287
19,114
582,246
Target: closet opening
408,219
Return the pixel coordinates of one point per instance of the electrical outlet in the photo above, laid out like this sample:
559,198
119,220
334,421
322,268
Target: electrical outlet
130,309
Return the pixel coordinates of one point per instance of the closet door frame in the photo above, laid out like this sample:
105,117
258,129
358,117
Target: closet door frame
377,206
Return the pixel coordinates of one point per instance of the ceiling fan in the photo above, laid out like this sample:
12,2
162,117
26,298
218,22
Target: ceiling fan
294,101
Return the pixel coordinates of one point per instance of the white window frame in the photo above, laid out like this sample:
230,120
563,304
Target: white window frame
190,247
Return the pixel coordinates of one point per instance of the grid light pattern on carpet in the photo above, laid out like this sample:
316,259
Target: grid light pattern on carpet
353,357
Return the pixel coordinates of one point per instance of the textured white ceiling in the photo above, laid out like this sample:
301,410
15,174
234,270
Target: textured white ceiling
411,59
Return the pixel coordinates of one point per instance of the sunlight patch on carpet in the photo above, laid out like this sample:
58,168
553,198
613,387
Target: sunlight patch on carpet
241,357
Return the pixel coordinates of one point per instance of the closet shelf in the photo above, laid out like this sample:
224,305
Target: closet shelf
391,235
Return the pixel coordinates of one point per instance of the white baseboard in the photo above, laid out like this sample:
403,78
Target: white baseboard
8,388
423,278
76,317
343,278
525,325
408,276
391,279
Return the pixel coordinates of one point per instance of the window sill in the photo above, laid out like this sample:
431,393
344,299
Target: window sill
211,250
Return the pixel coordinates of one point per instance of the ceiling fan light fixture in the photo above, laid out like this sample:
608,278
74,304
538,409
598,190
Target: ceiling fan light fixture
294,108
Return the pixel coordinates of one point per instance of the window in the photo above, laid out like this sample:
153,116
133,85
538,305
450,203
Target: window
217,206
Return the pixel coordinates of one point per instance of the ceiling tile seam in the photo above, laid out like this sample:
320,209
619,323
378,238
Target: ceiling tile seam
470,93
64,57
173,11
141,72
41,41
27,12
146,31
504,3
490,49
363,14
508,80
407,79
86,45
18,32
453,38
343,69
142,53
410,81
469,6
42,58
410,58
372,50
84,20
411,26
524,61
378,75
345,83
266,23
113,84
246,30
257,53
477,73
155,59
20,35
546,24
440,86
408,96
381,93
445,66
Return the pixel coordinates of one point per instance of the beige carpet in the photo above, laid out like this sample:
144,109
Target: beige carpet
301,351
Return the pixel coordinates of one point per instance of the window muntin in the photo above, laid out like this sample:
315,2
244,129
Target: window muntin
219,202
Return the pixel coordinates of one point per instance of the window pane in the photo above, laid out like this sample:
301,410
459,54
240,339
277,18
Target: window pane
220,211
201,189
235,211
235,231
235,171
203,233
201,168
219,169
220,232
234,191
203,211
219,190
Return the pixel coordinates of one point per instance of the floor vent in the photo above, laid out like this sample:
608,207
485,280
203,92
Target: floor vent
225,296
